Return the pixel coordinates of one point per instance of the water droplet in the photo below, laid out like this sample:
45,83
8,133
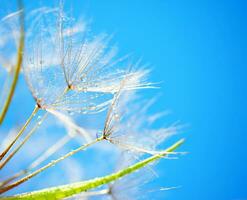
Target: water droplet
116,116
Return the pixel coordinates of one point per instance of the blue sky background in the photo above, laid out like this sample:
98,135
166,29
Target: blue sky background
198,50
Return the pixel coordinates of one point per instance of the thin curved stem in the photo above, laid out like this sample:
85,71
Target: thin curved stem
19,133
3,163
17,68
38,161
49,152
68,190
52,163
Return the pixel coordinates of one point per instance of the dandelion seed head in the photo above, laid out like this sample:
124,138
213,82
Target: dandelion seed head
128,126
68,70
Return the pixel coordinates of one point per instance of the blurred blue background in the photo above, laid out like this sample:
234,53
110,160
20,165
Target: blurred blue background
198,49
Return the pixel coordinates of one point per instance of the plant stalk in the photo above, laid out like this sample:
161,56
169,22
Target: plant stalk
19,133
68,190
52,163
3,163
17,68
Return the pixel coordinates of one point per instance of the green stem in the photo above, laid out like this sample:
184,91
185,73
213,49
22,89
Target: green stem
76,188
37,162
17,68
52,163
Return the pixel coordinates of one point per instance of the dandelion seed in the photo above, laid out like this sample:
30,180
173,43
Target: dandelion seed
68,71
131,130
74,79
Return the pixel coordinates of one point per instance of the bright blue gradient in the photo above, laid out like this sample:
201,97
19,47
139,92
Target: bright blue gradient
198,49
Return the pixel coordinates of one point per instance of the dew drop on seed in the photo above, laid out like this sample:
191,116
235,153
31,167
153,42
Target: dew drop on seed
116,116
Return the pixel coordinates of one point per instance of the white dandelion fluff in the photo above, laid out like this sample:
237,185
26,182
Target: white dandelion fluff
9,32
129,127
69,71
